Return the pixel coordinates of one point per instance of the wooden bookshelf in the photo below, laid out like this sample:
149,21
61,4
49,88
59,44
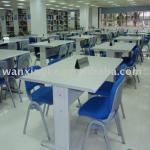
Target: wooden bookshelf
9,23
22,21
57,20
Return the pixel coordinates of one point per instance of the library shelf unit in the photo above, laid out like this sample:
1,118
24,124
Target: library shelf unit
56,20
9,22
22,21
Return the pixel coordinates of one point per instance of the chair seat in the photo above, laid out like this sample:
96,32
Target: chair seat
96,108
105,89
43,95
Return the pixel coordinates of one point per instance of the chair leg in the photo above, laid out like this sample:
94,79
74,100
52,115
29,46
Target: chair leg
122,109
27,118
79,103
8,86
44,107
106,138
86,136
19,91
138,78
44,123
120,127
47,110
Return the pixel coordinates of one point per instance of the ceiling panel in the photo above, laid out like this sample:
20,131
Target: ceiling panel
73,4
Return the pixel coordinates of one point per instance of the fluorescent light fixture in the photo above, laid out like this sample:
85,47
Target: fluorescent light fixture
7,5
52,1
6,2
21,0
1,8
71,5
80,1
64,7
56,5
20,3
77,6
62,3
87,3
48,4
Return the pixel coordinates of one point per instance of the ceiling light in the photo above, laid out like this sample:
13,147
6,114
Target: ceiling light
5,1
20,3
77,6
1,8
7,5
56,5
52,1
62,3
87,3
80,1
21,0
48,4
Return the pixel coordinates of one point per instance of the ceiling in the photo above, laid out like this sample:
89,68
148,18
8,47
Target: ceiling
73,4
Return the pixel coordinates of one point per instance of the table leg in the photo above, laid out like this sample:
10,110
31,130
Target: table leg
43,56
78,47
61,118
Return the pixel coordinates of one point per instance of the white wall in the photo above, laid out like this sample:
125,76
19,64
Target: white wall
38,17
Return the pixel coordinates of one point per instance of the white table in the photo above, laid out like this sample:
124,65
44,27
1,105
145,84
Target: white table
121,47
7,54
137,34
44,45
14,40
78,39
68,84
135,39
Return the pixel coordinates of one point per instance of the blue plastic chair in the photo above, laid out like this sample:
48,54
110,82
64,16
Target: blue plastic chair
42,95
102,110
105,89
131,63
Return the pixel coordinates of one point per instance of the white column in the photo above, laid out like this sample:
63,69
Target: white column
94,17
84,16
100,17
3,22
38,17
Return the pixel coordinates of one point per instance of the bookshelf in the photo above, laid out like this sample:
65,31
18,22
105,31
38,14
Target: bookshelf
77,20
22,21
57,20
9,22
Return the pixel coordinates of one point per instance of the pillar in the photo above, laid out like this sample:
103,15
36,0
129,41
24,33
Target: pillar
38,17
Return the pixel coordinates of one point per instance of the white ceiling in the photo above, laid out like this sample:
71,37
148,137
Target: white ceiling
73,4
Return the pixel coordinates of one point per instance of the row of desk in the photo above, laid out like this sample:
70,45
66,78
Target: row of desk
69,83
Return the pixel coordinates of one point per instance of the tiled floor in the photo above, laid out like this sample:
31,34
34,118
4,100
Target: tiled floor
136,126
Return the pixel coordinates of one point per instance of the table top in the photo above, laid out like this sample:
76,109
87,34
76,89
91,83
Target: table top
53,43
117,47
12,41
137,34
81,37
6,53
63,74
129,38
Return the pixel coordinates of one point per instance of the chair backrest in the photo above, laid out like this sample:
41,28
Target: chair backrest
23,61
63,51
30,85
24,45
32,40
71,48
3,66
116,94
91,52
134,56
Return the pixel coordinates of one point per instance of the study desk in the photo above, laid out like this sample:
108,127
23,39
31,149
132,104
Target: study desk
8,54
44,45
78,39
121,47
134,39
13,40
68,84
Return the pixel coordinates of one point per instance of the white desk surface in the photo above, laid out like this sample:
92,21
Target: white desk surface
137,34
15,40
63,74
118,47
129,38
81,37
53,43
6,54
